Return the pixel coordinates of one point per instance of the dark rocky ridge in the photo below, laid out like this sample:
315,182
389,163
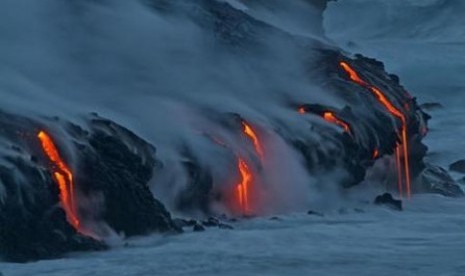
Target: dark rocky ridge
114,167
458,166
372,126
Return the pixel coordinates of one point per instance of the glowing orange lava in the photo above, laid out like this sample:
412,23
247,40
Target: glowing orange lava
353,75
331,117
399,171
63,178
253,136
244,185
375,153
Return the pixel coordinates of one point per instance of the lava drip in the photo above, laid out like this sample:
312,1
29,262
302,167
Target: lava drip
379,95
244,186
254,138
63,177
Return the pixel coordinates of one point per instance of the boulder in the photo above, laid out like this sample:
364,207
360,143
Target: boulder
458,166
387,199
437,180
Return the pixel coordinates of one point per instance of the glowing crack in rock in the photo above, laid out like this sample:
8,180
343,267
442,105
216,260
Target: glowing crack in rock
383,100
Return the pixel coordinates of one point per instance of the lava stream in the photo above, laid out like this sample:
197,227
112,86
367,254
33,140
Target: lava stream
253,136
353,75
244,188
244,185
63,178
399,171
332,118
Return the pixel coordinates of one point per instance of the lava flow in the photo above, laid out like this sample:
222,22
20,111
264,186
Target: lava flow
353,75
244,185
331,117
63,177
253,136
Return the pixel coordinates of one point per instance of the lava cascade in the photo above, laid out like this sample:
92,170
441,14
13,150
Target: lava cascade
63,177
353,75
248,130
244,186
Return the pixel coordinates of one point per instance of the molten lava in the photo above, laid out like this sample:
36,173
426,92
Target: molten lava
331,117
375,153
253,136
353,75
63,178
399,171
243,187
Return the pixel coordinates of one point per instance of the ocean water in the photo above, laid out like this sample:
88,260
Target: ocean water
428,238
423,43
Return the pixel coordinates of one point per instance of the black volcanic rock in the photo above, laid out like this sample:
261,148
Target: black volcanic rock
431,106
314,213
324,148
437,180
198,228
387,200
225,226
118,165
198,194
458,166
181,223
112,168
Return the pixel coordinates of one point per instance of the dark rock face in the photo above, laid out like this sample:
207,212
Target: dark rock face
437,180
198,228
314,213
198,194
181,223
112,164
118,165
373,128
32,225
387,200
458,166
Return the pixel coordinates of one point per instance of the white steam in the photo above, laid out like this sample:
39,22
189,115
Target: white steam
167,78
